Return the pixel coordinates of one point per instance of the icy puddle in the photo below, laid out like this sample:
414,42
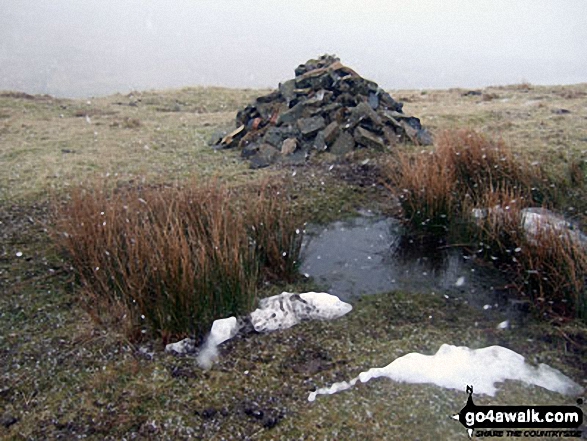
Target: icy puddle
368,255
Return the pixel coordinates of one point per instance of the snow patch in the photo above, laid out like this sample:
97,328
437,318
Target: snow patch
182,347
454,367
278,312
537,221
287,309
222,330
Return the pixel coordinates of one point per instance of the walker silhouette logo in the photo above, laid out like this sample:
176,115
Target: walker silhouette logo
499,421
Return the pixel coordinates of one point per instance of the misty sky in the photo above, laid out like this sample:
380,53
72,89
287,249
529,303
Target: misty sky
77,48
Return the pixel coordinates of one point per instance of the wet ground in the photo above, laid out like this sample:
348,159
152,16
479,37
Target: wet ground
370,254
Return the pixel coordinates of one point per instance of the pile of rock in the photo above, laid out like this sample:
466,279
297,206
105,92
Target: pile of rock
326,107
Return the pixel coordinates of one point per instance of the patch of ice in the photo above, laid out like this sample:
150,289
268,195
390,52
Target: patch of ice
455,367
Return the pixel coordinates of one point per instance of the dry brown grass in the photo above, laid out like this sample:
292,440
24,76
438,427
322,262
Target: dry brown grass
171,260
480,164
552,270
424,185
548,265
438,186
439,189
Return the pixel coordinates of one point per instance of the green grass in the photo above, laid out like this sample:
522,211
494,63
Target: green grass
64,375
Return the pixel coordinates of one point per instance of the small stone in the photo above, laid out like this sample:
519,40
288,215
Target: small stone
250,150
8,420
390,119
292,115
390,136
388,102
561,111
315,79
310,126
345,143
266,156
289,146
424,137
320,141
331,132
373,100
329,109
299,157
346,99
410,132
287,90
231,139
275,136
368,139
363,111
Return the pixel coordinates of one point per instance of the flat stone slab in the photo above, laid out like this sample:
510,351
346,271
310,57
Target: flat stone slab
344,144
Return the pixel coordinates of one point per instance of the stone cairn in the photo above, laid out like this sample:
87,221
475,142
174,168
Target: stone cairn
326,107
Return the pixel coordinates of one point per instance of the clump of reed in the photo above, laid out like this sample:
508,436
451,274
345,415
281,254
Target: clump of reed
473,189
168,261
424,186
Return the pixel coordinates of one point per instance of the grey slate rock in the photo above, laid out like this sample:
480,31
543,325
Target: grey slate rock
310,126
292,115
330,132
327,106
368,139
344,144
266,156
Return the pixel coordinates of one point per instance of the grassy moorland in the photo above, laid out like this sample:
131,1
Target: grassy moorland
65,375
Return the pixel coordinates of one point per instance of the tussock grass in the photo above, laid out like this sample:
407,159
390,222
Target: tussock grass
441,186
168,261
474,189
548,265
480,164
424,185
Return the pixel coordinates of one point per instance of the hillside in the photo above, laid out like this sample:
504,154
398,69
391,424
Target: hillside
64,375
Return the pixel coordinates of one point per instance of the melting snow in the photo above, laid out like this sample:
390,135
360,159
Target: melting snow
278,312
286,310
537,221
455,367
222,330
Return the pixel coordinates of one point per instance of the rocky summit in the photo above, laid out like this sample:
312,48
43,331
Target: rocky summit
326,107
